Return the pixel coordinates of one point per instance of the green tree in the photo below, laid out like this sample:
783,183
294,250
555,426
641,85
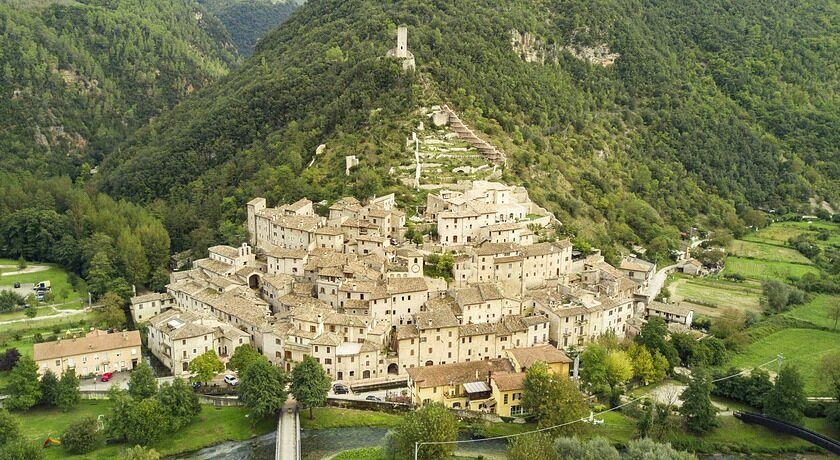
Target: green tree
787,400
142,383
647,449
553,400
159,279
133,258
9,427
205,366
49,388
31,312
652,335
619,368
593,368
697,409
146,423
180,401
642,364
243,356
574,449
23,388
431,423
139,453
101,273
21,264
531,447
833,313
263,389
67,395
310,384
110,312
830,373
83,436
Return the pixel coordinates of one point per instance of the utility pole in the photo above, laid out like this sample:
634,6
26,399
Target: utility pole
416,449
779,359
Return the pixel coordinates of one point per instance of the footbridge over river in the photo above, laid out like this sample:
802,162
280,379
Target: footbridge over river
288,433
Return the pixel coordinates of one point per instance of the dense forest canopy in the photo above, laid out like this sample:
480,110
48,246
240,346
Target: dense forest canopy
77,77
249,20
708,110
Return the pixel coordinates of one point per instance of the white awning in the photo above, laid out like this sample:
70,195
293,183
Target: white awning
476,387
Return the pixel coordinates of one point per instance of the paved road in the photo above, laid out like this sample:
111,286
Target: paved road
658,281
59,314
288,431
29,269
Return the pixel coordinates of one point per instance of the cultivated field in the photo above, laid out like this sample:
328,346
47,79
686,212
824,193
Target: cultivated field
758,269
711,296
765,251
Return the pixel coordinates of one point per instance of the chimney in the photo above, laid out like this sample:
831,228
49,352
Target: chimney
489,377
430,322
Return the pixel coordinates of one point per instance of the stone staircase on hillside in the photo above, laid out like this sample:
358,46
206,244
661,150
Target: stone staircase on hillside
466,134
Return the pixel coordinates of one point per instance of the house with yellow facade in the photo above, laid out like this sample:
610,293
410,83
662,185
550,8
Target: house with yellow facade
507,389
465,385
523,358
95,353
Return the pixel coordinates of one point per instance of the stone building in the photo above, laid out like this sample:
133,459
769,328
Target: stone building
95,353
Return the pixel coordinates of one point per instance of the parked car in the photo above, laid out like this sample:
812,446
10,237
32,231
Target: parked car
107,376
17,285
340,389
373,398
196,386
231,380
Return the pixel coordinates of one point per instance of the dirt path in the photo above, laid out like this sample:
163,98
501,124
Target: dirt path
59,314
29,269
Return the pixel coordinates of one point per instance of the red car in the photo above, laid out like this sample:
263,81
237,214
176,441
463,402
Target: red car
107,376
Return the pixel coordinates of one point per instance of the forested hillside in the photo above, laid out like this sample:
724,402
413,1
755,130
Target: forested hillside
631,120
249,20
77,77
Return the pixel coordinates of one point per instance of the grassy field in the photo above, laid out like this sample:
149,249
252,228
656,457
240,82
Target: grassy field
58,278
801,347
816,311
757,269
212,426
334,417
710,296
765,251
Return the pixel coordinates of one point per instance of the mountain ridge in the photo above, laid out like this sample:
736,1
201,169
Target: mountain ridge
626,153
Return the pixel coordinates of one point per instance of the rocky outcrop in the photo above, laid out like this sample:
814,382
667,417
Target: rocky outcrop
533,49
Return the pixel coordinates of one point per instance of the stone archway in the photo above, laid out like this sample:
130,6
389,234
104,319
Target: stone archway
430,363
254,281
393,369
366,374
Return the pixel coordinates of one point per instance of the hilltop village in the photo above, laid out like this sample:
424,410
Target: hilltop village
351,290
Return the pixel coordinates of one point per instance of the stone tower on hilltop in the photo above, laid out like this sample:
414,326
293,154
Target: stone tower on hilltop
401,52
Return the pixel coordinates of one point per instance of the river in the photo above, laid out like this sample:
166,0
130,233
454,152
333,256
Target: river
322,444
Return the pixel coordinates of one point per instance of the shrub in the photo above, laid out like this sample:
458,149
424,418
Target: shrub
83,436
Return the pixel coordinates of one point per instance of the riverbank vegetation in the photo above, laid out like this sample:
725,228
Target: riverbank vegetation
211,426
